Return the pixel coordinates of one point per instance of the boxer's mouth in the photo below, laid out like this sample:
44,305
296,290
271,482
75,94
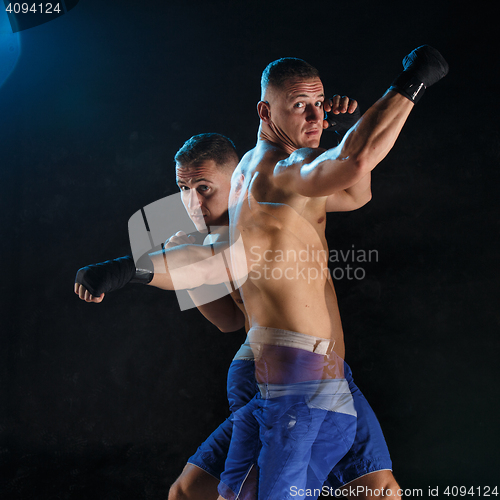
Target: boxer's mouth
313,131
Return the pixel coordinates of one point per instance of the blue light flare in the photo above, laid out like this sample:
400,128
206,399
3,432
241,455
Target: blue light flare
10,47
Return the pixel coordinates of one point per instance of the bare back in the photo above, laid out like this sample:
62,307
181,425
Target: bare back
288,284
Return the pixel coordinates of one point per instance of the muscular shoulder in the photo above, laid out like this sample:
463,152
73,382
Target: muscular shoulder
288,169
259,163
297,159
267,155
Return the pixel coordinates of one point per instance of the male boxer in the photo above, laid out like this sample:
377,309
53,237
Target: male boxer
287,439
312,176
216,156
212,159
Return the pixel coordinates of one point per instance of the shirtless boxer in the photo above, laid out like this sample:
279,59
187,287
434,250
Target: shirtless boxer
350,164
216,156
369,460
281,191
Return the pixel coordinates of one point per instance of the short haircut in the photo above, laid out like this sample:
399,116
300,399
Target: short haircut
284,69
206,147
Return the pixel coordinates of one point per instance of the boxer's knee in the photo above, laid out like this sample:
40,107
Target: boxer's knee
177,492
389,489
375,486
194,484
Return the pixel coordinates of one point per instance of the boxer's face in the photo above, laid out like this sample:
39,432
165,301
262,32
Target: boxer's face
205,193
296,112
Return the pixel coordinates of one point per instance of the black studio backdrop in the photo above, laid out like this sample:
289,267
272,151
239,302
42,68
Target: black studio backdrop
108,401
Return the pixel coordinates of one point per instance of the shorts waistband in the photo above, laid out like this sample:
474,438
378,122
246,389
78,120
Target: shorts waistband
285,338
330,395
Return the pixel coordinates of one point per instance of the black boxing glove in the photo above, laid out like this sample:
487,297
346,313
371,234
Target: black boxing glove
423,67
114,274
342,122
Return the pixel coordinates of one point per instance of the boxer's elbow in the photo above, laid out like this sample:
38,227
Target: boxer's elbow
234,322
230,327
363,162
368,197
363,199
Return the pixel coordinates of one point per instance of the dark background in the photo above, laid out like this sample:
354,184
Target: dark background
108,401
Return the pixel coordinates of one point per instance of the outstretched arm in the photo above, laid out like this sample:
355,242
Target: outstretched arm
189,266
112,275
179,268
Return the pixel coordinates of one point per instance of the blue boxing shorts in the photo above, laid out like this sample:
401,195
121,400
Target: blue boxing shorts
289,437
368,453
241,388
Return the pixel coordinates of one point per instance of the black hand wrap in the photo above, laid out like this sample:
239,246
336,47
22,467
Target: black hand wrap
342,122
423,67
112,275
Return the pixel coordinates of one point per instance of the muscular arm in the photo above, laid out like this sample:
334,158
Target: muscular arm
346,166
188,266
351,198
344,113
179,268
222,312
368,142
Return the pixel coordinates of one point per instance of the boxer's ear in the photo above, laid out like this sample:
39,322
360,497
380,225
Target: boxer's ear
264,111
